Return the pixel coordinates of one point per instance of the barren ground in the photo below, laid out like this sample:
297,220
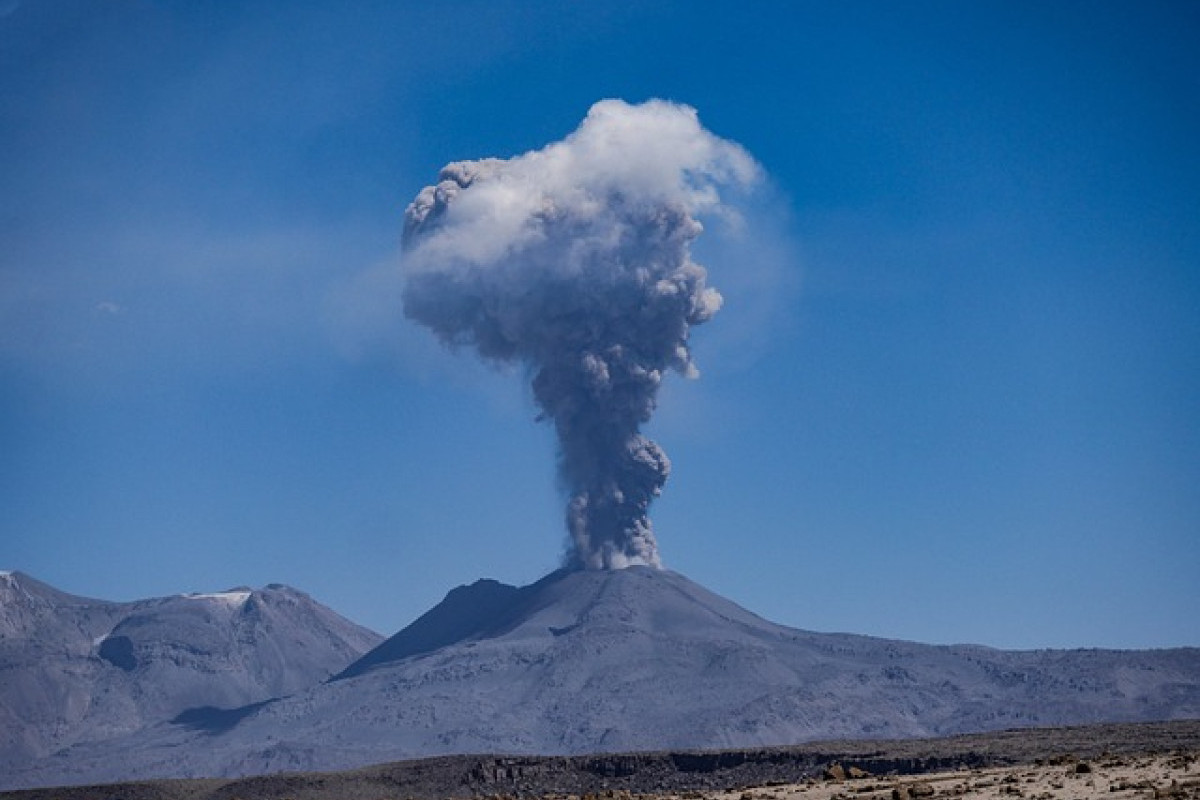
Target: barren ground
1154,760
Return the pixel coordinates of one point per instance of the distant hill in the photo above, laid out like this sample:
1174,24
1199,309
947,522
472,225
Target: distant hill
628,660
75,670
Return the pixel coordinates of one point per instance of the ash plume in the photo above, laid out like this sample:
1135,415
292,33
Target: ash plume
574,261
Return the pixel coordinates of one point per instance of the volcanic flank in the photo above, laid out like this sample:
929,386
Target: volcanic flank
637,659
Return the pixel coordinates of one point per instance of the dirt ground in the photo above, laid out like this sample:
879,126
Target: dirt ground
1175,775
1116,761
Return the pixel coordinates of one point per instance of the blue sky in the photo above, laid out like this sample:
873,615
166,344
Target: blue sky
954,394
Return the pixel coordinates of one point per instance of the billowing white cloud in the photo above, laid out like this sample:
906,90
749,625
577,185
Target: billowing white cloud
575,260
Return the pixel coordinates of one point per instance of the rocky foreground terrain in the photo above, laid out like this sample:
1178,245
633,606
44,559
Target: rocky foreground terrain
1147,760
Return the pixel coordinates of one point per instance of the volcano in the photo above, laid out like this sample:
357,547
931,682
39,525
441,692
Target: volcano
635,659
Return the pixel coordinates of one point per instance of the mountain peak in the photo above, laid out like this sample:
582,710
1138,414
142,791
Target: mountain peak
466,612
13,582
636,598
79,670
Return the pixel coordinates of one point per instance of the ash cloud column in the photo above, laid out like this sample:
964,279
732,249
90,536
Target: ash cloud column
574,260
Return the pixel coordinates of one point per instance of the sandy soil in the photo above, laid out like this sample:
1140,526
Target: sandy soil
1162,776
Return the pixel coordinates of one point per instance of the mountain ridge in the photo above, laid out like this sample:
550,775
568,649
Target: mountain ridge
631,660
79,670
634,660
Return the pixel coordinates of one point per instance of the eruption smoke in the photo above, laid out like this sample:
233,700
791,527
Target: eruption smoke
574,260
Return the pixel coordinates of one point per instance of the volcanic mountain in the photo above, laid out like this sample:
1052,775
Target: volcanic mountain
75,670
636,659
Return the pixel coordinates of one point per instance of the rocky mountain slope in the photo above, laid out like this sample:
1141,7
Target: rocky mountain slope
75,670
636,659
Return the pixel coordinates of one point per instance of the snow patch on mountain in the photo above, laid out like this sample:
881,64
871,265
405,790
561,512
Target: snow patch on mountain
234,597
